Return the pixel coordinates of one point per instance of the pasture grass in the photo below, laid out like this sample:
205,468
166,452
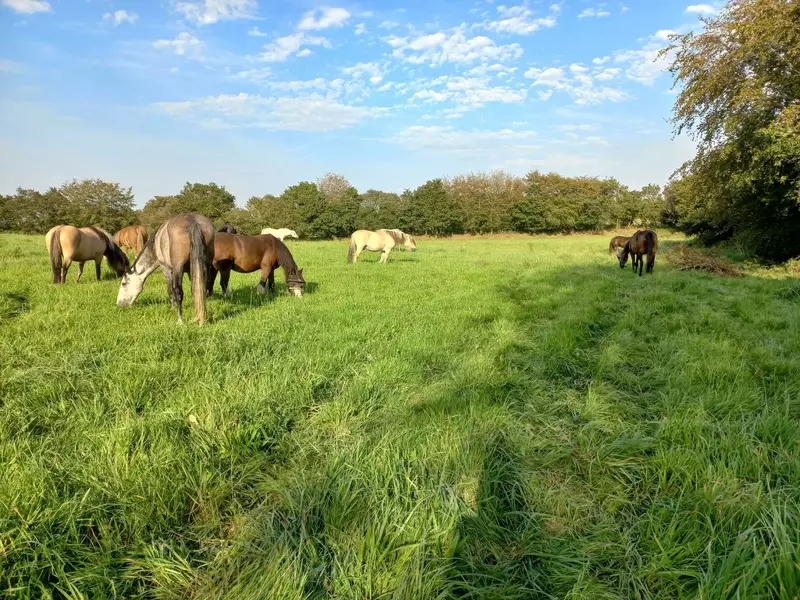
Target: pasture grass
481,419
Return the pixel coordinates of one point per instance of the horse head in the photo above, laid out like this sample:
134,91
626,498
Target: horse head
131,286
292,234
410,243
295,282
622,255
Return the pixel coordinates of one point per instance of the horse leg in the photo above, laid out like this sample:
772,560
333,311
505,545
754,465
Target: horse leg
170,287
212,277
97,262
80,272
177,290
651,262
267,282
384,255
224,282
641,264
64,268
359,248
271,281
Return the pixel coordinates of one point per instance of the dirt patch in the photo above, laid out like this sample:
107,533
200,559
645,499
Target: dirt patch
688,258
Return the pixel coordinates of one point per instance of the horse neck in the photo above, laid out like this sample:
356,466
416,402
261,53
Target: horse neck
146,262
285,259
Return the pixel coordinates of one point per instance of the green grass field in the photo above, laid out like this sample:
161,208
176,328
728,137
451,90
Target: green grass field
481,419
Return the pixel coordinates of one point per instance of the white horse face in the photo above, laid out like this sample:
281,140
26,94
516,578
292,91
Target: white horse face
410,244
292,233
130,288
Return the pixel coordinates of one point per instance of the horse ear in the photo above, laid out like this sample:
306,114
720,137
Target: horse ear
301,271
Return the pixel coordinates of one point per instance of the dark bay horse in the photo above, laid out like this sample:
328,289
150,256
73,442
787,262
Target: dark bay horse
248,253
182,244
133,237
227,228
642,243
617,243
67,244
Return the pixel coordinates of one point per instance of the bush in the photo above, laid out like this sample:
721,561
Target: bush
688,258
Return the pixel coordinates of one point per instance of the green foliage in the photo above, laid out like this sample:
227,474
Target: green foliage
87,202
739,97
553,203
505,419
474,203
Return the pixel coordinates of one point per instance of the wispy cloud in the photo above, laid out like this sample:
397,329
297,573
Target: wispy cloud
121,16
28,7
283,47
701,9
594,12
328,17
208,12
185,44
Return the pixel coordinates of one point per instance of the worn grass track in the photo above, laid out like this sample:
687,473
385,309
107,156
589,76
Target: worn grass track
480,419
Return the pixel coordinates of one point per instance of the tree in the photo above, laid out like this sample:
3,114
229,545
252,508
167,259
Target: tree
156,211
307,204
96,202
740,87
433,211
208,199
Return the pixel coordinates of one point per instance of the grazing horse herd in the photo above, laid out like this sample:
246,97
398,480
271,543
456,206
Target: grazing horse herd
189,244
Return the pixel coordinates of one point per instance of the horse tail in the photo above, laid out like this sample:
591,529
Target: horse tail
55,254
140,241
351,253
198,269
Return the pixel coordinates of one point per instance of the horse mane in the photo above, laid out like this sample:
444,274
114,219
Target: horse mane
151,242
397,235
285,258
113,252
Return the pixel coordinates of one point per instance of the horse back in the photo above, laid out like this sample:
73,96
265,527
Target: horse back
172,241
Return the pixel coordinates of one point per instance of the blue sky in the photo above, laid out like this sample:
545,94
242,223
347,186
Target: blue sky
258,95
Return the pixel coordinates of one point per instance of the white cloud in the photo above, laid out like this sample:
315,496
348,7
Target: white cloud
546,77
545,96
359,70
519,20
283,47
601,60
360,29
579,84
445,139
623,9
577,127
388,24
255,31
121,16
645,65
594,12
185,44
607,74
207,12
439,48
312,112
28,7
9,66
329,17
701,9
304,53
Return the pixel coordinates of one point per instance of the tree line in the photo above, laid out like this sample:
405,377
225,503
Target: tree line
331,207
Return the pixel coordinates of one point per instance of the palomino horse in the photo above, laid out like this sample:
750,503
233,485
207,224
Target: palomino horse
182,244
248,253
133,237
227,228
281,233
641,243
381,241
617,243
67,244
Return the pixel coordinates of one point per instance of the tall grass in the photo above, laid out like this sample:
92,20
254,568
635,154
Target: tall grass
480,419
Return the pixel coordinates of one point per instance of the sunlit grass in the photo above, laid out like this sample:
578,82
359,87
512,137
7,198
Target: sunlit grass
481,419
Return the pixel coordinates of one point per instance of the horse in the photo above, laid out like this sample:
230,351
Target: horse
382,240
182,244
227,228
248,253
133,237
641,243
617,243
67,244
281,234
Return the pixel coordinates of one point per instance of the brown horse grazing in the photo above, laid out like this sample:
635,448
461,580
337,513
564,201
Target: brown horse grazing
641,243
248,253
617,243
67,244
133,237
182,244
